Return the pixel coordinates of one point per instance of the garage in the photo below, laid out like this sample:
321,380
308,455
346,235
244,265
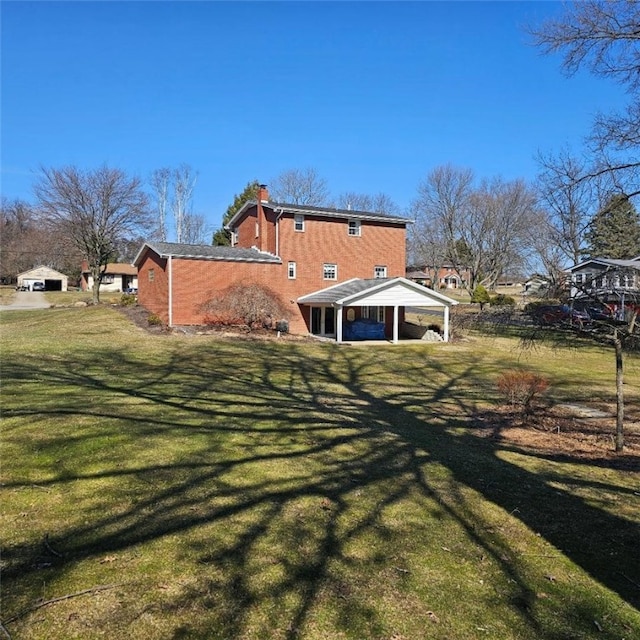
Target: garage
53,280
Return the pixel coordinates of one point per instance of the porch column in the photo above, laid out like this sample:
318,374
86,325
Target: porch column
446,323
339,324
395,324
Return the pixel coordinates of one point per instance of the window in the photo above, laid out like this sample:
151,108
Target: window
373,313
298,222
107,279
354,227
152,274
380,271
234,237
330,271
291,271
579,279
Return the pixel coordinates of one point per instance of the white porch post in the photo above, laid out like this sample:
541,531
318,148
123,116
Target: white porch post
446,323
339,324
395,324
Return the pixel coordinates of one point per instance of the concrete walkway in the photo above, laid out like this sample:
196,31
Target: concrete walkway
23,300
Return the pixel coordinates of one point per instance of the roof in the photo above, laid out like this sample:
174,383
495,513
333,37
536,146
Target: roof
633,263
325,212
207,252
41,271
356,289
417,274
116,268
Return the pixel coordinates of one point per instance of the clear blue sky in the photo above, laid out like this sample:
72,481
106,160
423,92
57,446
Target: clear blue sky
373,95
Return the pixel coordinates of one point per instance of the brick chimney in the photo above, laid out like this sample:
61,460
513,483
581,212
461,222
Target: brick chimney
263,196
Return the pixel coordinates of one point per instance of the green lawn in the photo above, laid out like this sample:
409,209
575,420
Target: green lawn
193,487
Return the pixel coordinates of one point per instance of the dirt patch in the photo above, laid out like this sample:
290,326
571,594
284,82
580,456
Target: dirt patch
564,433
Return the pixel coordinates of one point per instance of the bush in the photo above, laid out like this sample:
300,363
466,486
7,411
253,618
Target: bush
502,300
154,320
127,299
520,388
253,305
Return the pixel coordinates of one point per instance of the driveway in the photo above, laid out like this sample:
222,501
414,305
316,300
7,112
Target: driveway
26,300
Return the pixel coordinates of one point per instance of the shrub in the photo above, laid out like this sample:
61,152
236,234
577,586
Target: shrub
502,300
154,320
127,299
254,305
520,388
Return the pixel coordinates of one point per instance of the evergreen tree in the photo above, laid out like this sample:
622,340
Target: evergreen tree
480,296
222,237
614,232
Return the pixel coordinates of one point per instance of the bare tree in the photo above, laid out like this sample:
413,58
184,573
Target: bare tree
94,209
483,229
297,186
605,38
618,329
379,203
570,201
184,181
160,184
194,229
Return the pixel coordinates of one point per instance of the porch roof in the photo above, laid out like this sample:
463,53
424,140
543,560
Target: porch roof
377,292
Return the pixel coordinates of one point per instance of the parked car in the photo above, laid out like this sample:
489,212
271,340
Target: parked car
561,314
38,286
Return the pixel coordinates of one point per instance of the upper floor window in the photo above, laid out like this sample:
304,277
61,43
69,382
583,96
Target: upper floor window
380,271
298,222
234,237
291,271
330,271
152,274
354,227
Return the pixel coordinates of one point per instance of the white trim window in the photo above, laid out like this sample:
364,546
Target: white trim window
298,222
330,271
291,270
380,271
355,228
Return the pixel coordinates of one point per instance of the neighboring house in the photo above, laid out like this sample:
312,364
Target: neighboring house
299,252
443,277
117,276
53,280
613,282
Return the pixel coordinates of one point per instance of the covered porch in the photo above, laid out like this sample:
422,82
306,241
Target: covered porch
382,301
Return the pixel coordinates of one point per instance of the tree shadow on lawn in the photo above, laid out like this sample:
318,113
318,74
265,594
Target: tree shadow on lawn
275,520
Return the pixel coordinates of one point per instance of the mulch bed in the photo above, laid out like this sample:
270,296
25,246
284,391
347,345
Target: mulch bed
558,433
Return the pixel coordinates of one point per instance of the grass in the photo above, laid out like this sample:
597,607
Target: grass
193,487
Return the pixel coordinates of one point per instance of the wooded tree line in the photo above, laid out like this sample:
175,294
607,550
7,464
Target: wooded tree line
582,204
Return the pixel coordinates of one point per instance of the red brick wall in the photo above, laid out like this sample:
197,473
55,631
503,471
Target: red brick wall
323,241
153,294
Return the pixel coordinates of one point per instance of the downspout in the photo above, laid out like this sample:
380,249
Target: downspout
278,231
170,269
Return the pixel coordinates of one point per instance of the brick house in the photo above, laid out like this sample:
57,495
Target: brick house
295,250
